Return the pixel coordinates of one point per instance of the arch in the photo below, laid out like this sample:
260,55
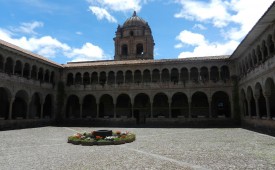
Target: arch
251,102
124,50
220,104
89,106
70,79
270,44
175,75
204,75
129,77
20,105
48,107
254,56
270,93
137,77
146,76
160,105
142,106
123,105
102,78
214,74
111,78
184,75
199,105
9,66
225,74
194,74
94,78
26,70
250,60
165,77
5,96
264,49
35,106
259,54
139,48
73,107
86,78
1,63
179,105
47,76
40,74
120,77
261,100
34,72
78,78
18,68
52,77
244,103
106,106
156,76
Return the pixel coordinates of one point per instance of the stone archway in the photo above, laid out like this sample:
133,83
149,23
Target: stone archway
251,104
142,106
106,106
220,105
89,107
123,106
199,105
244,104
20,105
4,102
73,107
179,105
35,106
261,100
270,95
48,107
161,105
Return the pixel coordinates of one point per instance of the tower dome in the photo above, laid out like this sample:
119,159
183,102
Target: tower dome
134,21
134,40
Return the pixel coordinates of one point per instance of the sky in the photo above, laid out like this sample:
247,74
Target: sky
83,30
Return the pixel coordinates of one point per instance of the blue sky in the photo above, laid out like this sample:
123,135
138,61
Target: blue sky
81,30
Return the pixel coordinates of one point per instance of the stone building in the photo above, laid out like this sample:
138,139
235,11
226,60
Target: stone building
135,87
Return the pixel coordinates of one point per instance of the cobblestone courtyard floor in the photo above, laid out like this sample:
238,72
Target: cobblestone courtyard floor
154,148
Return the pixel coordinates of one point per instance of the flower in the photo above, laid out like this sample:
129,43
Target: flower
98,137
118,132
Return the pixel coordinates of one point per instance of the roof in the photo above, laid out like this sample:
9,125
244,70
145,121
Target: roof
27,53
263,23
134,20
135,62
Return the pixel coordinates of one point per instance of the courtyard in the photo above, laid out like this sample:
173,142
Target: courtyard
154,148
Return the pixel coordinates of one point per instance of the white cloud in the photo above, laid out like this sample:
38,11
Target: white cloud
50,47
212,49
118,5
215,11
190,38
199,26
28,28
79,33
238,15
101,13
87,52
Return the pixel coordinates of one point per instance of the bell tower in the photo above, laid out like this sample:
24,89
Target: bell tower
134,40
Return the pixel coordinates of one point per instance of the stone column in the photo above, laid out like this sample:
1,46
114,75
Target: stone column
80,110
257,105
42,108
249,106
10,108
210,108
97,110
151,109
189,109
28,109
267,103
115,110
170,115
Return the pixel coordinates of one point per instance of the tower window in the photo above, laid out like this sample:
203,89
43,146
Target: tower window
131,33
139,49
124,50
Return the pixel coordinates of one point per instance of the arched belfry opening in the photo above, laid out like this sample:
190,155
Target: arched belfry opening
134,40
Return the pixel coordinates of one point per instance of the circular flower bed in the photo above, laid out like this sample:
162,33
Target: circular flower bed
92,138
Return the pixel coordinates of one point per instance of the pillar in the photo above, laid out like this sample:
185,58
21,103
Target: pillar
80,110
115,110
257,106
189,109
267,103
28,109
10,108
151,109
97,110
249,107
170,115
41,109
210,108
